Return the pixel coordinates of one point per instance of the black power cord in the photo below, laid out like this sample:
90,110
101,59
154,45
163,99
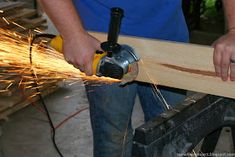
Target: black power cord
38,91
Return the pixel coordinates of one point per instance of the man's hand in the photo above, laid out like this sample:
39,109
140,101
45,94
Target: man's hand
78,45
79,51
224,53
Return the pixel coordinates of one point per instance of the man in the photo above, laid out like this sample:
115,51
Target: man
110,105
224,53
224,62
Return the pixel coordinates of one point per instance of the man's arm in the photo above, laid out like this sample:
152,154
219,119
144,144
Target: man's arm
224,47
78,45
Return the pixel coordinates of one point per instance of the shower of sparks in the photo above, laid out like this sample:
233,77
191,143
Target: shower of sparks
38,30
157,91
5,20
18,25
48,64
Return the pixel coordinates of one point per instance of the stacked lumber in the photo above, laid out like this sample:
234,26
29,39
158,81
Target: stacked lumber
22,97
16,17
14,95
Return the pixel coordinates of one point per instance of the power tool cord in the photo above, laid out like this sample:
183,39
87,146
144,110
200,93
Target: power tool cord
38,91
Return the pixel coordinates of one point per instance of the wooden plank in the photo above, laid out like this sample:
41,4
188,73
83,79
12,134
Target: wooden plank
23,13
24,102
35,21
10,8
24,22
7,88
6,6
25,31
19,96
15,12
179,65
23,18
27,26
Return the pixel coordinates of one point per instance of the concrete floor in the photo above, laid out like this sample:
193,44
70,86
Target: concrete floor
27,132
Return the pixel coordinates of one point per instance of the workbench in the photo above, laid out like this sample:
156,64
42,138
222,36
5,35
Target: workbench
176,132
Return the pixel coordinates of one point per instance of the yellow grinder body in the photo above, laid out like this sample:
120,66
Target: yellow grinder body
57,43
116,61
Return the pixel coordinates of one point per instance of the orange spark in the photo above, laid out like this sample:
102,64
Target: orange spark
18,25
48,64
4,19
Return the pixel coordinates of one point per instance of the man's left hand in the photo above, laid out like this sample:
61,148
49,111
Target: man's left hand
224,56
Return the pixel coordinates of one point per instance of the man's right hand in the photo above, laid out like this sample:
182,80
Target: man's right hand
79,49
78,45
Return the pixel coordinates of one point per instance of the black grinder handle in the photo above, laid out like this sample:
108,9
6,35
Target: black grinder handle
114,26
111,46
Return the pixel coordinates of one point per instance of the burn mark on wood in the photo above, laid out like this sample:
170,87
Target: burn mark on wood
188,70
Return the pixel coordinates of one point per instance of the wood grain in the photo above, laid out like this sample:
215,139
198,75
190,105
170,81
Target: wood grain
178,65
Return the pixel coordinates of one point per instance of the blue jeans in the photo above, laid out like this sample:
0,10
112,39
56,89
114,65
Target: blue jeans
111,108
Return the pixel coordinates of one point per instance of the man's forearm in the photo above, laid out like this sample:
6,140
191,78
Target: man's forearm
63,15
229,11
